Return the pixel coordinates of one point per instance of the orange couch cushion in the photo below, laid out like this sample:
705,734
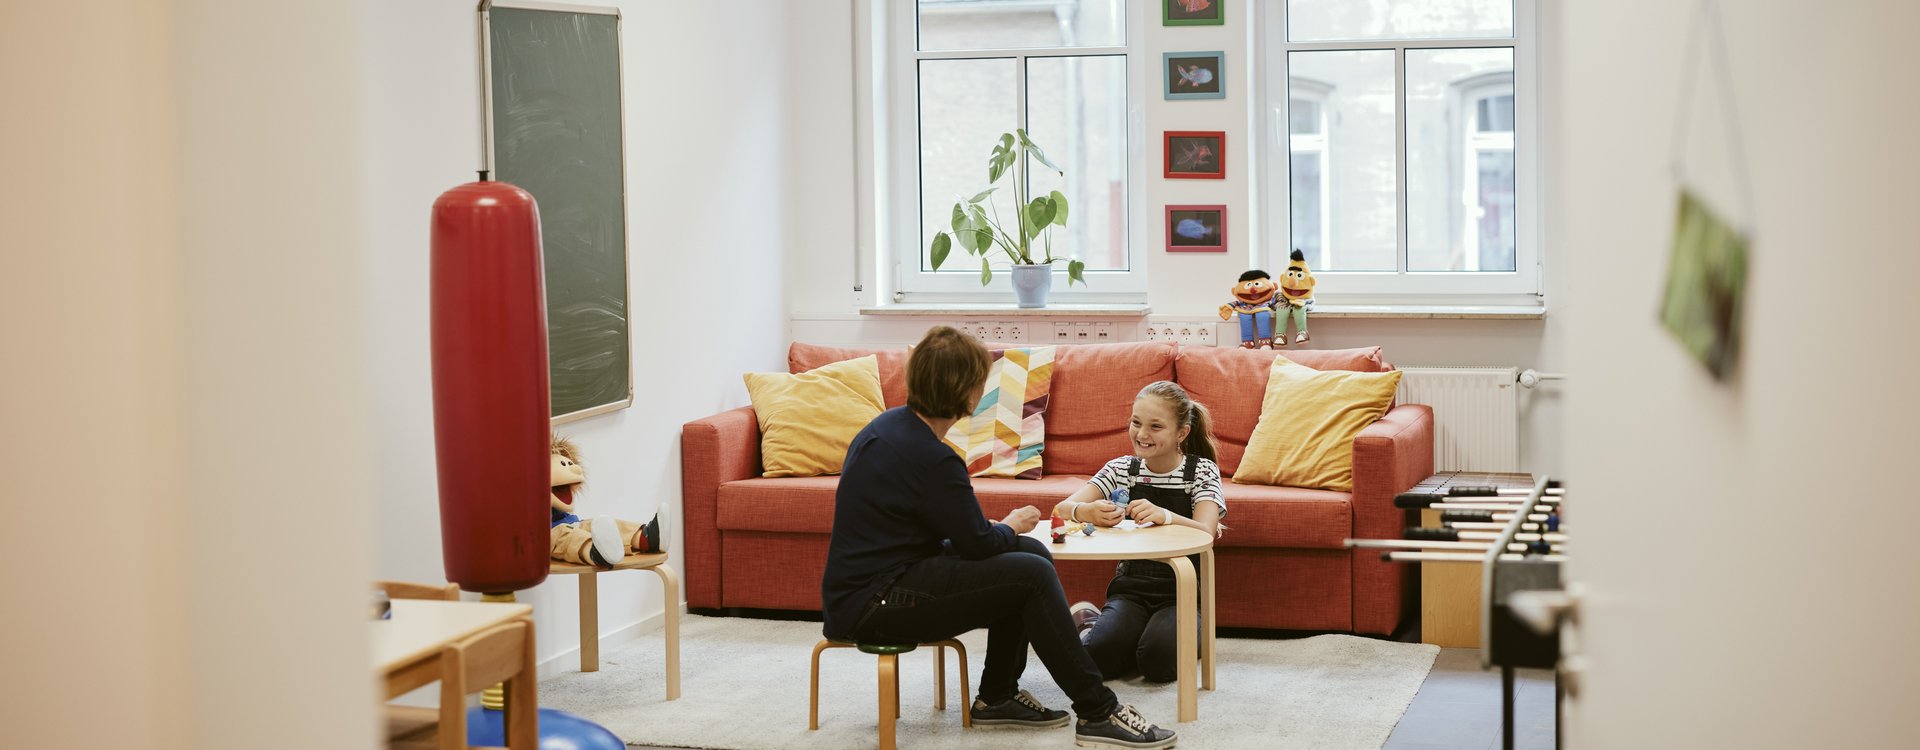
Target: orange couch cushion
1093,390
893,366
1232,382
1257,516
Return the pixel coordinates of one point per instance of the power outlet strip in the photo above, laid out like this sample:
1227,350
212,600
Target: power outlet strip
997,331
1188,333
1083,333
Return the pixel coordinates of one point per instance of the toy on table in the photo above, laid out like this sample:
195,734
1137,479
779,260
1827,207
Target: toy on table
1295,301
603,540
1253,300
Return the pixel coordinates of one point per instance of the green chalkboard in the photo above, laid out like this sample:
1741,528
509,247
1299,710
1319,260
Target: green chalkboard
554,128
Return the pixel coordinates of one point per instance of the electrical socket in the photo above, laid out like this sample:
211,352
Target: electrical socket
997,331
1189,333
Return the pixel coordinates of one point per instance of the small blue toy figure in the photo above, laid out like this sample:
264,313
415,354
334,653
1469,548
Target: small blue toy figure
1253,301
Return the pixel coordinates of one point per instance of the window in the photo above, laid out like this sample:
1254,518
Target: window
1406,169
964,71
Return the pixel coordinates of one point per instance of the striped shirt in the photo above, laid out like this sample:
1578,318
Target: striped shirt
1205,484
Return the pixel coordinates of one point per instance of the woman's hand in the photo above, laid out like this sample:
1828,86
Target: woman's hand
1144,511
1022,519
1098,513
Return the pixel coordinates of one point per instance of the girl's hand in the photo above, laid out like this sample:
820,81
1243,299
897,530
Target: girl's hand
1099,513
1144,511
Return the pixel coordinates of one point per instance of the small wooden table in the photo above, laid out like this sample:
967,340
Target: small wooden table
1171,545
1450,591
406,651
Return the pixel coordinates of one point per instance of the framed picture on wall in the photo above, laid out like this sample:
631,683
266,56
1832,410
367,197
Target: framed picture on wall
1195,154
1195,75
1192,12
1196,229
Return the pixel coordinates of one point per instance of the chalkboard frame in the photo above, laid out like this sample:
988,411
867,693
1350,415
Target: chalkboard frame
488,158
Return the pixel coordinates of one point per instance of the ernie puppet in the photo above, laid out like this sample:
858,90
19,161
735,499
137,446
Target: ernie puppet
1253,301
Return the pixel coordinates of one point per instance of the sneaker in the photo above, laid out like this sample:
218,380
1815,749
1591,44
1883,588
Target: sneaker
608,548
1020,710
1085,614
1125,727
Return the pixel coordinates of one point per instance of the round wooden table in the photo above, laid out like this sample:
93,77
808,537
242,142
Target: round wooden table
1171,545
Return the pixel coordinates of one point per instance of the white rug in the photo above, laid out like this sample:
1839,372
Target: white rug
743,685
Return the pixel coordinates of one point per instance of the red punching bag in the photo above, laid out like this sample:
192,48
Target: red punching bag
490,409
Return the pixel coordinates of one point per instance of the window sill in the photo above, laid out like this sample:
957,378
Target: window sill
1009,310
1433,312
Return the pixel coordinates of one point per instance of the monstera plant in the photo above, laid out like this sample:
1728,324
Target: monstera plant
979,228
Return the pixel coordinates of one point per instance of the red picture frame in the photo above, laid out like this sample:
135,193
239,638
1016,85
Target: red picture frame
1196,229
1194,154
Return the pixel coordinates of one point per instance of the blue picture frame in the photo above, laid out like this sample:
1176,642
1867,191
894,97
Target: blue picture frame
1194,75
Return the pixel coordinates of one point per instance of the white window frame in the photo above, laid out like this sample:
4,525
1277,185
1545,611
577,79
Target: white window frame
959,281
1316,91
1467,96
1403,287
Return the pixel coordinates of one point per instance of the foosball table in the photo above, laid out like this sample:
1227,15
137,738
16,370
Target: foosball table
1517,538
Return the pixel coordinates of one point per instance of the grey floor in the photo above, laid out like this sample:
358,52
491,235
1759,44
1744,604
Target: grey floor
1458,708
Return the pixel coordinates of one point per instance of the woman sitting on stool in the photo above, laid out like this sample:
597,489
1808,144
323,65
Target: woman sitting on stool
913,560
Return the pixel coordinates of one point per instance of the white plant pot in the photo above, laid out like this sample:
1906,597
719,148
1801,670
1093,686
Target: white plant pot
1031,284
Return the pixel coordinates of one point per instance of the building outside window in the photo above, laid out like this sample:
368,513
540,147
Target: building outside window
1406,171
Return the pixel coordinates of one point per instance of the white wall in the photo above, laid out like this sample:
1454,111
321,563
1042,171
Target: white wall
710,159
188,540
1754,582
1181,286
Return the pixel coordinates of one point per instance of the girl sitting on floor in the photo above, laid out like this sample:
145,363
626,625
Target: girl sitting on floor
1170,479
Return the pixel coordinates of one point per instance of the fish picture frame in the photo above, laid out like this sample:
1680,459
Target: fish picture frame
1192,12
1195,75
1194,155
1197,229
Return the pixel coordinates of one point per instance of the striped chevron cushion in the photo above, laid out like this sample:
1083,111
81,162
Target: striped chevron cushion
1007,432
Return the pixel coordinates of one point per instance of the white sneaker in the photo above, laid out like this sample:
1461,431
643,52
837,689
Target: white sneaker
607,541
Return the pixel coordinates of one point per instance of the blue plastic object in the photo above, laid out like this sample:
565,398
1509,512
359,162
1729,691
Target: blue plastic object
1120,496
559,730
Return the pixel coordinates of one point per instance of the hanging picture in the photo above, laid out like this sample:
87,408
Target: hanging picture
1195,155
1196,229
1195,75
1192,13
1706,285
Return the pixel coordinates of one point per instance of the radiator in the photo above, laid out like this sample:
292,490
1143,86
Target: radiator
1476,415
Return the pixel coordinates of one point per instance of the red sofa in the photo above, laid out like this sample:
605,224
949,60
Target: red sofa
762,543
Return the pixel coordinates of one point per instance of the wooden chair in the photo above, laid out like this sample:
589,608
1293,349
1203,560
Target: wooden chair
407,723
469,666
502,653
590,610
890,681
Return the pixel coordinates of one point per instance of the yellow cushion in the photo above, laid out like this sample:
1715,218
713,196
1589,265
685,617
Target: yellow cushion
1308,420
808,419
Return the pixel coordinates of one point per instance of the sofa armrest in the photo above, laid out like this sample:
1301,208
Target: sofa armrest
713,451
1390,456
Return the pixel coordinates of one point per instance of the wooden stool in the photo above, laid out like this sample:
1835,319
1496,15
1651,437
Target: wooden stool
590,610
890,681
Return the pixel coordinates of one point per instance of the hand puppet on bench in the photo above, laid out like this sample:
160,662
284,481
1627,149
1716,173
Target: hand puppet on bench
603,540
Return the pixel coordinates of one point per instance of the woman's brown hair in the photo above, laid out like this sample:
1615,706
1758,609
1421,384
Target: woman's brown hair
944,374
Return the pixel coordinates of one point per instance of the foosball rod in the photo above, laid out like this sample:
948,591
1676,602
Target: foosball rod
1481,490
1466,557
1417,544
1416,500
1458,535
1478,526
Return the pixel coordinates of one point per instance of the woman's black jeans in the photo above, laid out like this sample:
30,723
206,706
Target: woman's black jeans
1016,596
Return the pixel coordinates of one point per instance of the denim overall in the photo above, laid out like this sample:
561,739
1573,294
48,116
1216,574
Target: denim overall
1150,582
